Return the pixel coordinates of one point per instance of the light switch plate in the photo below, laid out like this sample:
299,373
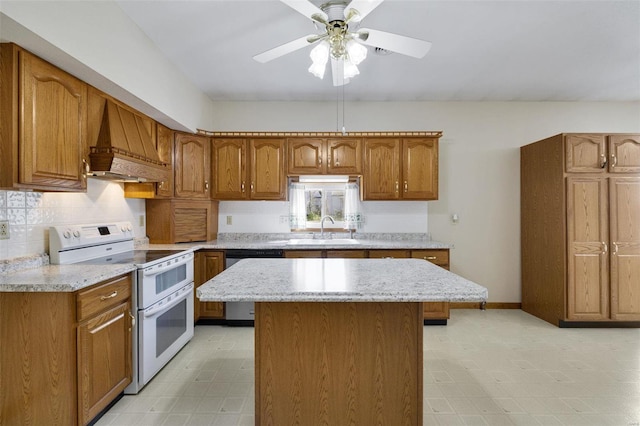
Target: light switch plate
4,229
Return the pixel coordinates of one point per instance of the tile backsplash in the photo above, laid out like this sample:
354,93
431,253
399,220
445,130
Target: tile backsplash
30,214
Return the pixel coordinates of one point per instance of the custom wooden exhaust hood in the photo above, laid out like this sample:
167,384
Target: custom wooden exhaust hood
124,149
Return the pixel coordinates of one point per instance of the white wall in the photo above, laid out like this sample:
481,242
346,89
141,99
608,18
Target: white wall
113,55
479,166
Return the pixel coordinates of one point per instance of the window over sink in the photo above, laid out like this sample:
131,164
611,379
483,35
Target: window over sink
311,201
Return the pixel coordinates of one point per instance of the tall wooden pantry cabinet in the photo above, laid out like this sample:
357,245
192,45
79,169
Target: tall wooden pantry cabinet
580,229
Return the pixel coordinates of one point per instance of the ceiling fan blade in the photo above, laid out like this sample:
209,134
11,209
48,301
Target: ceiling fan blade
395,43
337,71
306,8
364,7
282,50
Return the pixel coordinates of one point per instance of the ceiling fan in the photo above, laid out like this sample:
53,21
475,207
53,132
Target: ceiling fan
343,41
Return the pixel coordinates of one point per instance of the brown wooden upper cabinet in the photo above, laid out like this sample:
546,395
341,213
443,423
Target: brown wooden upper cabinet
401,169
325,156
192,166
599,153
43,136
164,145
258,175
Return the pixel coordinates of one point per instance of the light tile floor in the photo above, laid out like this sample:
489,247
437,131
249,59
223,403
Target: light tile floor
497,367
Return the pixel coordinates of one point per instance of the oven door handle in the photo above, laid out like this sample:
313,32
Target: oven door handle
152,271
171,304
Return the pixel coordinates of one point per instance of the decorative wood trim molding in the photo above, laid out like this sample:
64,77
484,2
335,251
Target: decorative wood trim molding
436,134
489,305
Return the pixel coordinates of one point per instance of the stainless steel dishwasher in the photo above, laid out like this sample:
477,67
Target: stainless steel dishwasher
242,313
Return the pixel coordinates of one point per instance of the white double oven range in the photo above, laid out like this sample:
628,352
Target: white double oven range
162,289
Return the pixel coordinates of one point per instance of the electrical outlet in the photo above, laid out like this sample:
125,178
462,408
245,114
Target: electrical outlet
229,220
4,229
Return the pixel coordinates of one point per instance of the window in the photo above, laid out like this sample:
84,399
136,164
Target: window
324,199
309,202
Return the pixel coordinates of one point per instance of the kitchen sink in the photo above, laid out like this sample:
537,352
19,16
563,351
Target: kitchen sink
320,242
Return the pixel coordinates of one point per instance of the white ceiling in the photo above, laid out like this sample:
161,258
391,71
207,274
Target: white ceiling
517,50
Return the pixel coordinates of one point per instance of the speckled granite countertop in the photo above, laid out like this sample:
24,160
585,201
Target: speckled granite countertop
60,278
33,273
339,280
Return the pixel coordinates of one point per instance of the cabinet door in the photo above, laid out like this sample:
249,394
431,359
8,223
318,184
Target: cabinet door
306,156
104,360
391,254
587,239
625,248
192,167
344,156
268,179
164,145
381,169
229,169
440,257
585,153
420,169
52,127
209,264
624,153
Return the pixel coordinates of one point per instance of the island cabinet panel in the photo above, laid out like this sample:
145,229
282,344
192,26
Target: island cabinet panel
338,363
44,133
208,264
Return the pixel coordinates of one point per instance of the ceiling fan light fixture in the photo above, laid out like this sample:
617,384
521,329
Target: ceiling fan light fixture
319,56
350,69
356,51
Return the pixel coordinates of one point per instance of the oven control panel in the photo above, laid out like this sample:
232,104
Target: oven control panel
65,237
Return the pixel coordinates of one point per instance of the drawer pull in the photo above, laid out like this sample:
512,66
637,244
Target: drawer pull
111,296
430,258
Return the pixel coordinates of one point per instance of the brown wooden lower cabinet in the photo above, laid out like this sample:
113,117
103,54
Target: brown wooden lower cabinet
208,264
438,311
65,356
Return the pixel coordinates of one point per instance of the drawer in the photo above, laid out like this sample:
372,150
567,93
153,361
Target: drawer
439,257
100,297
383,254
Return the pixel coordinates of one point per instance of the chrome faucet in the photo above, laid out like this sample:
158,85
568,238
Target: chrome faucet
322,225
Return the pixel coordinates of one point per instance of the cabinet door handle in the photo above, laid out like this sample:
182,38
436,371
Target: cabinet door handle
397,187
614,160
252,187
430,258
206,185
615,248
603,163
319,161
85,168
133,320
329,161
111,296
242,187
406,186
605,248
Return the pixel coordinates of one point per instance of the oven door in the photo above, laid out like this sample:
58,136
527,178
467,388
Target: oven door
165,327
162,279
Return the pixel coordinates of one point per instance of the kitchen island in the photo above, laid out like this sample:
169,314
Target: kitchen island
338,341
